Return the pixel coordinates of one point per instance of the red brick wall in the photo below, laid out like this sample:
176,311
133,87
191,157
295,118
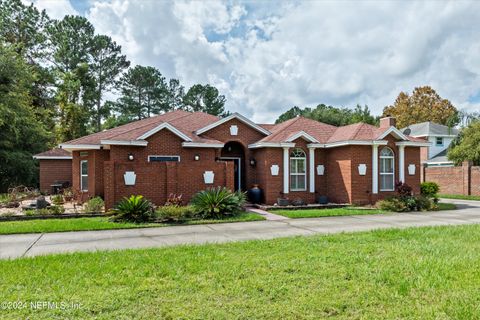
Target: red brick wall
96,160
51,170
338,174
246,135
272,186
461,180
156,180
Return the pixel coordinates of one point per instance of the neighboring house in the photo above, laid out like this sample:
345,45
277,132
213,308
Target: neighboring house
55,166
182,153
440,138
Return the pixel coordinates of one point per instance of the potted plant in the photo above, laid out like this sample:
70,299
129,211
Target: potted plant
282,200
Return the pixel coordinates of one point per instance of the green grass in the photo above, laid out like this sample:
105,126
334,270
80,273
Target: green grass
446,206
99,223
313,213
416,273
460,197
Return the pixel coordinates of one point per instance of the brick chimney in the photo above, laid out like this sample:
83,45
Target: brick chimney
388,122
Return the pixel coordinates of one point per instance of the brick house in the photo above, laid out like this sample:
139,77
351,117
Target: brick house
55,166
181,152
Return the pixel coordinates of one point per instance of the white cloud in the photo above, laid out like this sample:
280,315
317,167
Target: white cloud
268,56
56,9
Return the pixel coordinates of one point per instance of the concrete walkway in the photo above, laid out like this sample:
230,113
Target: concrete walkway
27,245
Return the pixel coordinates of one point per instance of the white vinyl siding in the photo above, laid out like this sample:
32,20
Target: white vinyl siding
298,170
387,170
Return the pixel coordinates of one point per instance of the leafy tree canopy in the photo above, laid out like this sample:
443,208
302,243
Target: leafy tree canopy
205,98
331,115
423,105
467,145
21,133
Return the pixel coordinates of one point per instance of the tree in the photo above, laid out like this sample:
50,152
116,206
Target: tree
21,133
291,113
143,93
24,29
423,105
204,98
175,94
467,145
107,63
71,41
331,115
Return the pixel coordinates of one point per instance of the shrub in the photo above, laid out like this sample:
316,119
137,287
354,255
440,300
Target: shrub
31,212
218,202
134,209
423,203
406,204
56,209
392,204
174,213
57,199
94,205
174,200
429,189
403,189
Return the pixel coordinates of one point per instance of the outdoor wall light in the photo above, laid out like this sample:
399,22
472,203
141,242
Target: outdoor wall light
130,157
196,157
253,163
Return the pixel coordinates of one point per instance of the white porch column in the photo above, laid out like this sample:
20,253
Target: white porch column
312,168
375,169
401,163
286,165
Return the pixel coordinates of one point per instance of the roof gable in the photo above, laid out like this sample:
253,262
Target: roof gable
230,117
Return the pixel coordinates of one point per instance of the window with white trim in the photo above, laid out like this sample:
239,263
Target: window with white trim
163,158
298,170
387,170
84,175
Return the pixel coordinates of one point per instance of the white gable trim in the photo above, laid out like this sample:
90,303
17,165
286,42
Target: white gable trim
202,145
230,117
413,144
141,143
73,147
395,132
301,134
162,126
348,143
52,157
271,145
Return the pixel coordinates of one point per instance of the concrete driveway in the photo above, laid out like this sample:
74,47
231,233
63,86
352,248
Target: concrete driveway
28,245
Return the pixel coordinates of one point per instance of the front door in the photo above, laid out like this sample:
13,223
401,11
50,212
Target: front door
237,171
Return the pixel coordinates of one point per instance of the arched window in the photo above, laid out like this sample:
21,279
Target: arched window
387,170
298,170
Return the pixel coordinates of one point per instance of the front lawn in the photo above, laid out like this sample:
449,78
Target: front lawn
315,213
446,206
460,197
416,273
100,223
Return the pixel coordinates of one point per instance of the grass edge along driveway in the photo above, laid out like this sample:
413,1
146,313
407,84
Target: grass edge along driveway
345,211
101,223
415,273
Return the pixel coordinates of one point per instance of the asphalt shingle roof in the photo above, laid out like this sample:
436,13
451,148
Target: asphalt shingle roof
430,129
188,123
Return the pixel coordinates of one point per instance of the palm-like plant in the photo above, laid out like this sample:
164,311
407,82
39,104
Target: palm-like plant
218,202
134,209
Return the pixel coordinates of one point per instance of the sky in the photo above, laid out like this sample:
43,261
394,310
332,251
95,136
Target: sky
267,56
